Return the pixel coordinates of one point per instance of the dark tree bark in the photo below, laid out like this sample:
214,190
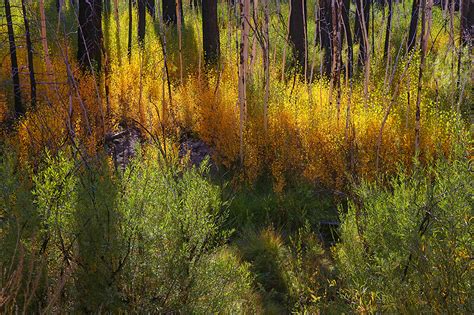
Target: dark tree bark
210,31
130,23
413,25
362,28
150,6
348,36
388,30
169,12
326,31
141,21
298,32
29,48
90,34
19,109
107,7
467,22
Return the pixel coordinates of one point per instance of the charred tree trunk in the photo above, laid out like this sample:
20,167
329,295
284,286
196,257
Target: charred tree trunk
169,12
348,36
141,21
413,25
90,34
107,7
150,6
210,31
326,31
19,109
388,31
29,48
467,22
297,33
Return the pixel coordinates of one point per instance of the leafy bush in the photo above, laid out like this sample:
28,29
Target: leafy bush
409,248
148,240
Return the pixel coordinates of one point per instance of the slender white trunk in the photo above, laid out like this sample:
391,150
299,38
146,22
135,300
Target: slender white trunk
244,47
266,63
44,40
117,37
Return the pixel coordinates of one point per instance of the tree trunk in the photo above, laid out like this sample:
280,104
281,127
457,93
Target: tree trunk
29,48
178,9
336,45
44,41
210,31
362,29
388,31
244,52
107,7
298,33
348,36
266,62
90,34
19,109
467,22
426,6
150,6
117,37
326,30
130,24
169,12
413,25
141,22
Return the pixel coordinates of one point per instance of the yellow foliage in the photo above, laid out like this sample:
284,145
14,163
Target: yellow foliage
312,133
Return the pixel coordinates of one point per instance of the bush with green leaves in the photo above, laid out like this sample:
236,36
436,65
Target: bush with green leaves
89,238
408,248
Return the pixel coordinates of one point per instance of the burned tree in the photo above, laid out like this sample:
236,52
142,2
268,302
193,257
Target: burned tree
90,34
29,48
210,31
388,31
347,35
297,33
467,22
141,21
150,6
170,16
19,110
325,33
413,25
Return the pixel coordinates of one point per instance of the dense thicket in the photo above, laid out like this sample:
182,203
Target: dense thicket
237,160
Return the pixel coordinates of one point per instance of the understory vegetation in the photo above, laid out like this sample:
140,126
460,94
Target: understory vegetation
343,192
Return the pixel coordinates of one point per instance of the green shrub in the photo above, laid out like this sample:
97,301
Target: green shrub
90,239
408,248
